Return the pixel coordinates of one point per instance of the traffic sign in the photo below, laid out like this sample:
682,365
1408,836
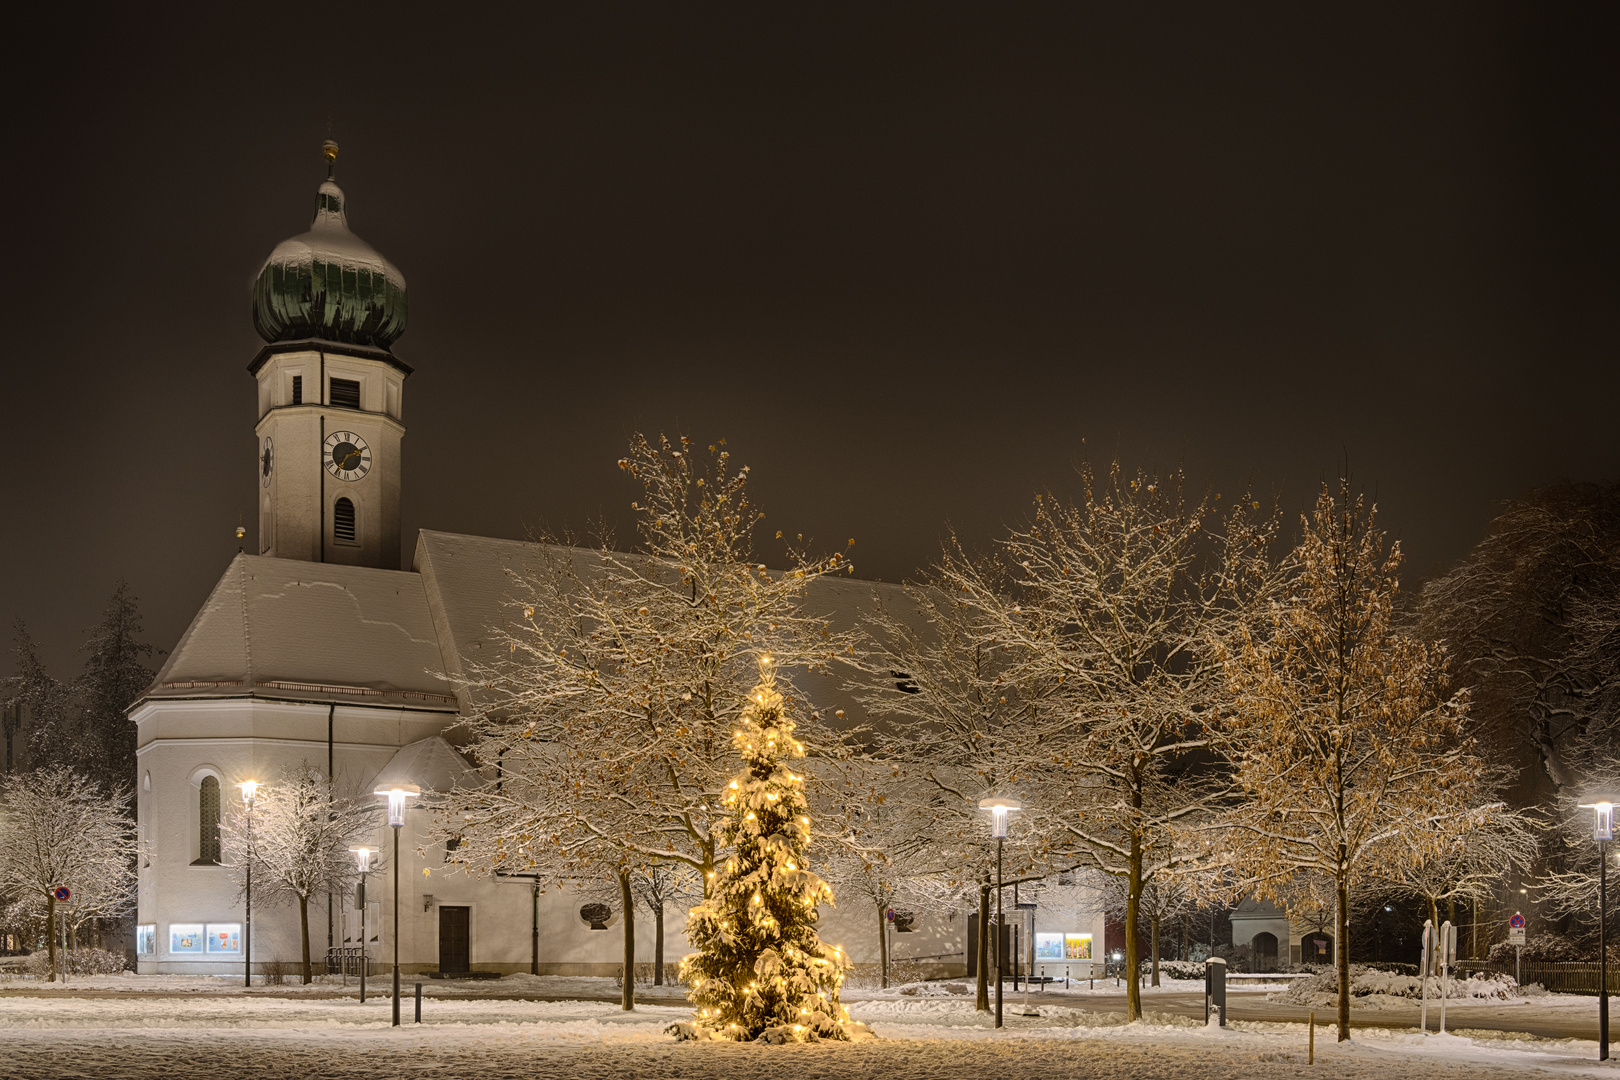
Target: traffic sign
1516,929
889,914
1517,922
62,893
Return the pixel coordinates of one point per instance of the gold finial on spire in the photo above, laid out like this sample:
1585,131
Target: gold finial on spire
330,149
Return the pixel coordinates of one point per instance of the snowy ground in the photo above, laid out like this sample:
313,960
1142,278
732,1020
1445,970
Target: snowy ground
184,1028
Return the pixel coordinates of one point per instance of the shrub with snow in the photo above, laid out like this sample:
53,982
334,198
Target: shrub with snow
1540,949
79,962
1368,982
1175,969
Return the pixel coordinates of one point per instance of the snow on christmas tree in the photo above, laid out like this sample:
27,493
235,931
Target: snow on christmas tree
760,971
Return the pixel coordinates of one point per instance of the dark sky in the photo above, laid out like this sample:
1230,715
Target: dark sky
904,259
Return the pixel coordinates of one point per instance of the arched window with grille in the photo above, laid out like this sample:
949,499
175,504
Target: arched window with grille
343,530
207,821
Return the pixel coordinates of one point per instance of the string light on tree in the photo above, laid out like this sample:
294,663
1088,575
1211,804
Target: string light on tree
760,971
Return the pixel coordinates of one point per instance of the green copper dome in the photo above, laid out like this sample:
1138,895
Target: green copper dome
328,283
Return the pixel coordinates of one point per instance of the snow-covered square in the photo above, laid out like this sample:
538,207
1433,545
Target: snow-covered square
185,1027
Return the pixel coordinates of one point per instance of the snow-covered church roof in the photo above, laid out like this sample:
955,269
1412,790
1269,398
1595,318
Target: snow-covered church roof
303,631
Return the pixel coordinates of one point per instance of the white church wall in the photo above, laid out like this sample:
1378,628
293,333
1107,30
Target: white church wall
232,740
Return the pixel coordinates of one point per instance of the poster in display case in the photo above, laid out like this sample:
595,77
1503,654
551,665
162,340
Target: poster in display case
185,937
1063,946
225,938
146,939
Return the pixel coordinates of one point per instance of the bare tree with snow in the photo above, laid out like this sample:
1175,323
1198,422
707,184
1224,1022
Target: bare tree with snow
1462,856
958,723
1097,620
1344,738
659,887
1533,616
605,729
296,836
58,828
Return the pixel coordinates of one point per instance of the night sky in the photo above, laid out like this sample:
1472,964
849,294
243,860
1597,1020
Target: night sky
912,262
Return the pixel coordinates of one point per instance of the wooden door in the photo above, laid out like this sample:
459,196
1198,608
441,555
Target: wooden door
455,947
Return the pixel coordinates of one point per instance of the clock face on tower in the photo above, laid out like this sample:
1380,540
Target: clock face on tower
347,455
267,462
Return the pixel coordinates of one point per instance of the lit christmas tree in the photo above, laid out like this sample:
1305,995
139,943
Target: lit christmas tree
760,971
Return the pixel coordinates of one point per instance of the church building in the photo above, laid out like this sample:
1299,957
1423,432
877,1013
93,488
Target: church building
320,650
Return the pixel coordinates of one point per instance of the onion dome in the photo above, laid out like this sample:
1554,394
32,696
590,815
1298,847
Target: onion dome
328,283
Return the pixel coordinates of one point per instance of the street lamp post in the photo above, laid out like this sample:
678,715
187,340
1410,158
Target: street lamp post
250,788
362,855
1000,810
396,820
1603,832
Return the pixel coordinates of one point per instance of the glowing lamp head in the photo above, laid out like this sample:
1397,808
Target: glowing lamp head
396,801
362,856
250,788
1000,810
1602,818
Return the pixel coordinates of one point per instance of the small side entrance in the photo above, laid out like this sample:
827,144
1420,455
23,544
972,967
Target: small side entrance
455,951
1265,951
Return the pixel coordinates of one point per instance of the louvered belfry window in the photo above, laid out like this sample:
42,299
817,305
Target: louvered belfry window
343,520
208,820
298,390
346,393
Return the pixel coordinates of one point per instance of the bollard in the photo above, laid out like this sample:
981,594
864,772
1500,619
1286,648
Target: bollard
1310,1058
418,1003
1215,988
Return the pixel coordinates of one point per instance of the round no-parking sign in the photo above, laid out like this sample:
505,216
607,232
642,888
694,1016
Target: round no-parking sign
62,893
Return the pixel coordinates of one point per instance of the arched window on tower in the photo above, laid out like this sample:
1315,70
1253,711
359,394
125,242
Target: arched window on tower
343,530
207,822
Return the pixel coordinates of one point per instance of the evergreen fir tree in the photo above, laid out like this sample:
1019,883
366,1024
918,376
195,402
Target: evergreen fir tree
760,970
115,674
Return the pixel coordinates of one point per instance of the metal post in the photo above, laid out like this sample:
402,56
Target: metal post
1423,973
1001,925
418,1003
396,926
363,964
247,926
534,931
1447,953
1603,950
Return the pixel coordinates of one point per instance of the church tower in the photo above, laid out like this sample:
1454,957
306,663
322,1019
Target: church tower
329,308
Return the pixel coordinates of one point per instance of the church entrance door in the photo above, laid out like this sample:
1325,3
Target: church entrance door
455,950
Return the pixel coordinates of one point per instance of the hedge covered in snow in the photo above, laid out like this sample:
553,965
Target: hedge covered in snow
1369,982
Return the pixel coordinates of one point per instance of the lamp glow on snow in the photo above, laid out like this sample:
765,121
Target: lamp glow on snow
1602,818
1602,831
1001,810
396,802
250,788
362,856
396,820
